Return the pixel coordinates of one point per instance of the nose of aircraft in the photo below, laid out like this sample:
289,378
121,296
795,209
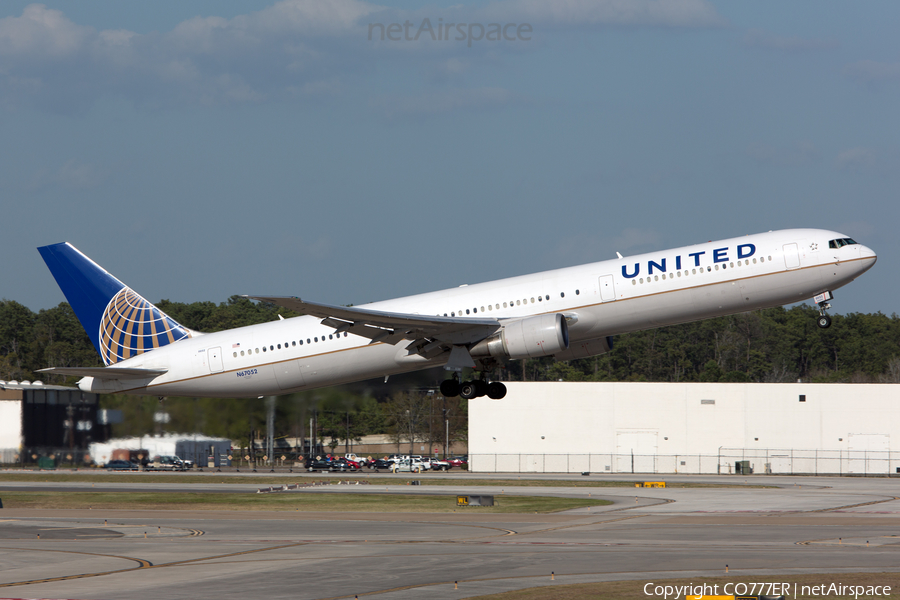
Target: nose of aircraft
866,252
868,257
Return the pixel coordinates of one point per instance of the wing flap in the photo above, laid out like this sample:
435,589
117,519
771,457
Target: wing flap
105,372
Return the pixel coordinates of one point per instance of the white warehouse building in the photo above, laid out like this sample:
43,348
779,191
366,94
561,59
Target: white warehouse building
795,428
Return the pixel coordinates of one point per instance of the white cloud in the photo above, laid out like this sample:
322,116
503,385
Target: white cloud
41,33
635,238
757,38
293,49
798,154
870,71
445,101
855,158
581,13
79,175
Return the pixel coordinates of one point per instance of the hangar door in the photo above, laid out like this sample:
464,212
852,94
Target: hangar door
636,451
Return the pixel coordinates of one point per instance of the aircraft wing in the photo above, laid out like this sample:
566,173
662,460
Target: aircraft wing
104,372
390,327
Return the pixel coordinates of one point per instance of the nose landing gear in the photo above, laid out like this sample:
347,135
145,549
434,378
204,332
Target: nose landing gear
823,321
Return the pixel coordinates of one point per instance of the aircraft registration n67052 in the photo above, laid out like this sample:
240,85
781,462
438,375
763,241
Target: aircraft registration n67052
565,313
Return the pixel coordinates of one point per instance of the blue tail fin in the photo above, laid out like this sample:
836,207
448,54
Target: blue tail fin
120,323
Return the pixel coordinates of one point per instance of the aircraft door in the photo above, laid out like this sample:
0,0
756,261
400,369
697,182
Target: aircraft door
214,358
791,256
607,288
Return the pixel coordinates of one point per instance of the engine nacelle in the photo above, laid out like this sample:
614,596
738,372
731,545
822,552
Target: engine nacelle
586,348
531,337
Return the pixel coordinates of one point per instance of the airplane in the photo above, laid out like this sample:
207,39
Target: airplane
565,313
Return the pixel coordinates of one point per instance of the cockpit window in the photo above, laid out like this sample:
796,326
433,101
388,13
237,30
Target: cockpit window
840,242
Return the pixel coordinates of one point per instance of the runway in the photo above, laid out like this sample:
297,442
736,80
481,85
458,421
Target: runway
809,524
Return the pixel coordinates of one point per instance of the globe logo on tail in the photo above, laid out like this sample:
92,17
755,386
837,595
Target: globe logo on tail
132,326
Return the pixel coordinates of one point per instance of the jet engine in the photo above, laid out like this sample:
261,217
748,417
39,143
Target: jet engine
542,335
586,348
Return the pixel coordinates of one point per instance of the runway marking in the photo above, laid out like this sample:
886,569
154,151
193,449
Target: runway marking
142,564
891,499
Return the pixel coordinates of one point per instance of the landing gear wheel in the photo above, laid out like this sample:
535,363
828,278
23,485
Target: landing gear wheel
481,387
824,321
496,390
450,388
468,390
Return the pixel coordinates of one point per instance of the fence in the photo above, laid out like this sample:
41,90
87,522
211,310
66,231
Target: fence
725,461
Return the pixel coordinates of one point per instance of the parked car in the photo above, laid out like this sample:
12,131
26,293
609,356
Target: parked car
458,461
381,464
121,465
406,465
440,465
166,463
318,464
344,464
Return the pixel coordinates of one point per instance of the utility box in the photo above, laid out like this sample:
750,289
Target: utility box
742,467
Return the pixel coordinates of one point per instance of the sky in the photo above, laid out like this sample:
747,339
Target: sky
200,149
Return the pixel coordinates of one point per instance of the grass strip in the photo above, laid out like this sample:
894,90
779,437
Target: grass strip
265,480
634,590
285,501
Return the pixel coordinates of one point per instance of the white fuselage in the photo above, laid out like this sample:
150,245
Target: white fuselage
599,299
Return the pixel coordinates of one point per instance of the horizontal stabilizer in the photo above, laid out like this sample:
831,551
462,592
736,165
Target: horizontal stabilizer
105,372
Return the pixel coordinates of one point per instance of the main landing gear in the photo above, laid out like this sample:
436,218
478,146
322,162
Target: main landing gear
472,389
823,320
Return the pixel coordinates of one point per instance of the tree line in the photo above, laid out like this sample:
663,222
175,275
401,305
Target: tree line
771,345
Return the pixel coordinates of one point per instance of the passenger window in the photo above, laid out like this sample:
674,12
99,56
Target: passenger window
264,348
540,298
562,294
235,354
731,265
532,300
547,297
279,346
518,302
307,341
467,311
679,273
664,276
656,278
633,282
577,292
271,348
482,309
